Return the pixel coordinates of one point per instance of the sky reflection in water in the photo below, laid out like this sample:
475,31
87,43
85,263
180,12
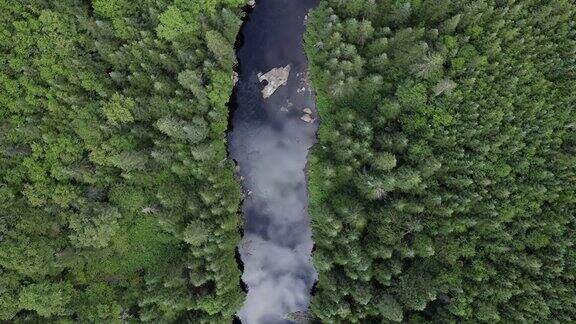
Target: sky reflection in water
271,147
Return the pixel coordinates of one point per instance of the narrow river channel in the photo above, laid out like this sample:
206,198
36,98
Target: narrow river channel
269,140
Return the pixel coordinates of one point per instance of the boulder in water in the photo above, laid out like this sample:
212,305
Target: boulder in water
276,78
307,118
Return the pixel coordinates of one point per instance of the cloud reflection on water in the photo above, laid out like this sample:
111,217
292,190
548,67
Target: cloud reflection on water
270,145
277,243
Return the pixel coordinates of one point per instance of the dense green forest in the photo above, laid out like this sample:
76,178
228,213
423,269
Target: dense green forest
117,200
443,187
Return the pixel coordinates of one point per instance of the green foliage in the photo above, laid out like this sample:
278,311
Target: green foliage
119,109
98,303
390,308
142,245
195,233
194,131
47,299
112,180
219,46
173,24
111,8
384,161
94,230
442,187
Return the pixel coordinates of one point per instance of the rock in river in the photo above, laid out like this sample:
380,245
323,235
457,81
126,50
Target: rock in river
307,118
276,78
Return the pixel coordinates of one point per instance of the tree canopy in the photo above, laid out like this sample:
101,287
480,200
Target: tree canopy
443,184
118,201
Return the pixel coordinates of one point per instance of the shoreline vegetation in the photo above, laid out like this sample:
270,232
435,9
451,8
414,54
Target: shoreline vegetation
118,201
442,187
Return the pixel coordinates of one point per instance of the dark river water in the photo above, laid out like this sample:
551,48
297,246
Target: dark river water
270,143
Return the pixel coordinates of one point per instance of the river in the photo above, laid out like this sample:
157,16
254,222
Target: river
270,143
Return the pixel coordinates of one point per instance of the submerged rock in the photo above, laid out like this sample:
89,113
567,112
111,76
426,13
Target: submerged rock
307,118
286,107
276,78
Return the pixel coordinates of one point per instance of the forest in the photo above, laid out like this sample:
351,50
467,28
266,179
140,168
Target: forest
443,186
118,202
